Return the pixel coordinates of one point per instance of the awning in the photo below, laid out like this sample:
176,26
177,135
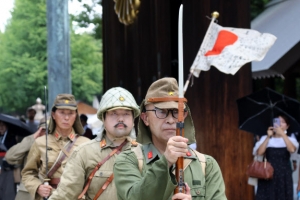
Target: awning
281,18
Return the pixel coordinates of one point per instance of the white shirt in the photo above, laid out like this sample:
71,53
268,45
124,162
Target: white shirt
276,143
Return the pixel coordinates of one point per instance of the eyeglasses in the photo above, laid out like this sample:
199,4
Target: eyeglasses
164,113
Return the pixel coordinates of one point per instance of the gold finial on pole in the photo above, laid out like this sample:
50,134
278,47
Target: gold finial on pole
215,14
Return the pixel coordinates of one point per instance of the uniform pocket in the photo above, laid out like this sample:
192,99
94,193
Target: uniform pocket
197,191
98,181
103,173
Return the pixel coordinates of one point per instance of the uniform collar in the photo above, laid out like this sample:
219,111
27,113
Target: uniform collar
71,136
150,152
107,143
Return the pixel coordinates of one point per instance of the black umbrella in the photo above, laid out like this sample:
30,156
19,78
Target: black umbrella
257,110
15,125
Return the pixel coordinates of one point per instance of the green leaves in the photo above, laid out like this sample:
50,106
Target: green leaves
23,59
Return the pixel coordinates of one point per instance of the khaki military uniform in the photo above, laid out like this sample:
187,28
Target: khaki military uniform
17,155
34,171
81,164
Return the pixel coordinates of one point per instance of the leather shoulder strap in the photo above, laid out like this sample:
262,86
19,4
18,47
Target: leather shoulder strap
92,174
139,155
62,157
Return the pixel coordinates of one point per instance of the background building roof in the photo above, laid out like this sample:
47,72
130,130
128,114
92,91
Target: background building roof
281,18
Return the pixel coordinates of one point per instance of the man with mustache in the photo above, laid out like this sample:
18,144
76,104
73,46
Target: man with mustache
89,171
150,166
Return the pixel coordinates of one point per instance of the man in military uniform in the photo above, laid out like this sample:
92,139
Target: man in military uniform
64,130
17,155
88,173
146,172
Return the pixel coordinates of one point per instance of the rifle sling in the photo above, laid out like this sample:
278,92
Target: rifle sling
92,174
58,163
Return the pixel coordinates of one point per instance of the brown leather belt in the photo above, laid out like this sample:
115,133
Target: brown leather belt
54,182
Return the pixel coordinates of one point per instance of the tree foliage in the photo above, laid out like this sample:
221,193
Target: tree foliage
256,7
23,59
89,16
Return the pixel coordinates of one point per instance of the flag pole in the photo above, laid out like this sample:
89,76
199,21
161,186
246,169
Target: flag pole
214,16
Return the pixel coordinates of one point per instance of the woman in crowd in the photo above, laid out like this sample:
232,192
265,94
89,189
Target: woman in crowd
277,146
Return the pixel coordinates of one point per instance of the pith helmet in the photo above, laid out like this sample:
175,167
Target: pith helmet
66,101
116,98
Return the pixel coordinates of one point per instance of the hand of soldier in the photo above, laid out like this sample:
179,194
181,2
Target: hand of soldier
176,147
39,132
44,190
182,196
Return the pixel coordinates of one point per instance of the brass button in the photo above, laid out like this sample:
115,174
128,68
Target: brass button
198,192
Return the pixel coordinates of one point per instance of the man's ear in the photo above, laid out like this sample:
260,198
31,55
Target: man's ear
144,117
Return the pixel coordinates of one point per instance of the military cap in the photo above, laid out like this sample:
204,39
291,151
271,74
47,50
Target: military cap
65,101
165,87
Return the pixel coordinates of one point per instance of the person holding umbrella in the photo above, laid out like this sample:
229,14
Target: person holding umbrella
277,146
48,155
17,155
7,182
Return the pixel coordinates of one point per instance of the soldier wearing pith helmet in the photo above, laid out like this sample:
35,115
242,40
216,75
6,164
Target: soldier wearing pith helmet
94,160
64,132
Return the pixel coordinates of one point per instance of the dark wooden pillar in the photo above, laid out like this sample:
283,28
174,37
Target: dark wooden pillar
213,95
138,54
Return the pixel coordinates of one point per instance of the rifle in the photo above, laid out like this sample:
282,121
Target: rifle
46,180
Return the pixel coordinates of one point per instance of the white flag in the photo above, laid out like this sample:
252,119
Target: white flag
228,49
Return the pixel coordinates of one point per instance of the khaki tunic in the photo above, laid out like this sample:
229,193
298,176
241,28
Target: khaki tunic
34,171
17,155
80,165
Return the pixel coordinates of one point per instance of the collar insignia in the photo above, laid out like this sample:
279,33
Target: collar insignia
56,135
150,154
102,143
71,136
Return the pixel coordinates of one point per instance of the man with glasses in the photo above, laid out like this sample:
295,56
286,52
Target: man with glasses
150,166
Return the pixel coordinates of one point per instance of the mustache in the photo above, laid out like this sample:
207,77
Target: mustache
120,123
